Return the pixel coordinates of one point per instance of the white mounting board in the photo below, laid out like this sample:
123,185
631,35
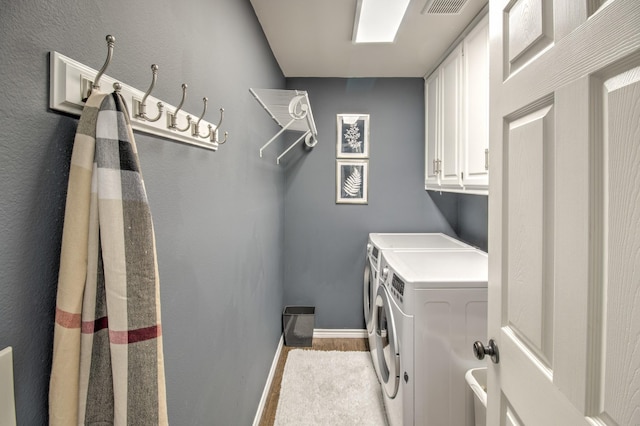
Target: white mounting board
66,82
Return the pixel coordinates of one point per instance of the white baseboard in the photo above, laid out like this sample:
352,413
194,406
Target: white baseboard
267,386
337,333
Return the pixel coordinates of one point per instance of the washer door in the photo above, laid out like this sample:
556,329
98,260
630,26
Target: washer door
387,344
369,288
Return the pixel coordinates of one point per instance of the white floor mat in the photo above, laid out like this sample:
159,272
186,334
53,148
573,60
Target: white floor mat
329,388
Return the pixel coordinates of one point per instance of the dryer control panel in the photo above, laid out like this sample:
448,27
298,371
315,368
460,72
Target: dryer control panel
397,288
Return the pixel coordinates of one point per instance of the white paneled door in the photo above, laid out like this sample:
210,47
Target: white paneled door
564,212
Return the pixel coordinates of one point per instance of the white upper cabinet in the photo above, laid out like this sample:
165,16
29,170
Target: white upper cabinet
457,117
432,128
474,152
451,81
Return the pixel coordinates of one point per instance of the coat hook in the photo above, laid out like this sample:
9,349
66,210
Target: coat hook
173,117
96,84
213,134
222,141
141,106
195,128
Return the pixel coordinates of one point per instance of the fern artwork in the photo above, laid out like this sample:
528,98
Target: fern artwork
351,181
353,136
352,186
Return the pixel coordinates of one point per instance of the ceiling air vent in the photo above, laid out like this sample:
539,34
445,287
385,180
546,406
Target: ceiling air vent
441,7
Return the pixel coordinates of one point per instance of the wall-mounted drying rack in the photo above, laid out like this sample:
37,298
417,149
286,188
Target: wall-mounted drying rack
292,111
71,83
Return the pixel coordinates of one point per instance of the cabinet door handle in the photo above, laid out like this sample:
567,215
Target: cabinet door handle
486,159
436,166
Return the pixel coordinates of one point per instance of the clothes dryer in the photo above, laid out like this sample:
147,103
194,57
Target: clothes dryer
431,306
378,242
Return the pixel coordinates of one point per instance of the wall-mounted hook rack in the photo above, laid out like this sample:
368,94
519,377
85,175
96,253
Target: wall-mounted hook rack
292,111
71,82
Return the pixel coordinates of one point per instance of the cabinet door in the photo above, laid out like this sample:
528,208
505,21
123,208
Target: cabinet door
474,141
450,75
432,140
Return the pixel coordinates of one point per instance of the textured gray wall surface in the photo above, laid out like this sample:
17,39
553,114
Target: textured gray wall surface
468,215
473,219
325,242
218,216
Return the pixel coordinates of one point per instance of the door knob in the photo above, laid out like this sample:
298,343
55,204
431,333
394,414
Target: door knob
480,350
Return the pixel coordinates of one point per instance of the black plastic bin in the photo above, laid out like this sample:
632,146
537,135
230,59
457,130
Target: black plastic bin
298,323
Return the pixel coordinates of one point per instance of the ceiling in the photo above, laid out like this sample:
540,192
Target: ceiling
312,38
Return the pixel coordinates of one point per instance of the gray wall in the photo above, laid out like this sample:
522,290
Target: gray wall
467,215
218,216
473,219
324,250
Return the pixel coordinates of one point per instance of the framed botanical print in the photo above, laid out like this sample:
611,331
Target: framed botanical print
353,136
352,178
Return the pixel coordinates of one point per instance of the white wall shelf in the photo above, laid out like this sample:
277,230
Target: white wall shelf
292,111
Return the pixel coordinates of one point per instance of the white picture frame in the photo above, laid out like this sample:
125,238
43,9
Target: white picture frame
352,139
352,181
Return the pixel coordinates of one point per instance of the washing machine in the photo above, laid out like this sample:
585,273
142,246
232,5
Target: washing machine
378,242
430,308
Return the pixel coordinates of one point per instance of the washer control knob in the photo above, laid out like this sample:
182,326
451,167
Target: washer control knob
480,350
369,248
385,274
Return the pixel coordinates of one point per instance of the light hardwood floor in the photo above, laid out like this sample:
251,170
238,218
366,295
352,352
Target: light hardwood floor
269,413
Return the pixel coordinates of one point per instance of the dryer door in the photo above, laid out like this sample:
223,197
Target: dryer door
387,344
369,293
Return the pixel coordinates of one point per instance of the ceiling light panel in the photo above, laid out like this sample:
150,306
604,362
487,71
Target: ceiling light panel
377,21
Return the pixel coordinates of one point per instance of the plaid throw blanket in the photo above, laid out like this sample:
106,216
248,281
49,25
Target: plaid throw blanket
108,366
